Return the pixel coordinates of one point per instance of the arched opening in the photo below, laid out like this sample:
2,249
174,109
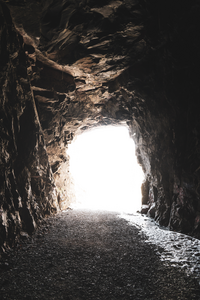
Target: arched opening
105,171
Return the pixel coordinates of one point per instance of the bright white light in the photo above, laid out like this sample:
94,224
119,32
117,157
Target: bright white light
105,170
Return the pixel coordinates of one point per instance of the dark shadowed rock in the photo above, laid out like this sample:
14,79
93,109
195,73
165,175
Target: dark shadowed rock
27,186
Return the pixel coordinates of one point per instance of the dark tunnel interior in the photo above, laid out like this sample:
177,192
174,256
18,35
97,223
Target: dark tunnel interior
67,67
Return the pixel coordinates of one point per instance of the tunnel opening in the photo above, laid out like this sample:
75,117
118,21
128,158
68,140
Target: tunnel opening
105,171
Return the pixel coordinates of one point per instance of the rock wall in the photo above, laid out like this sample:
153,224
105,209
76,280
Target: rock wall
167,123
27,189
97,63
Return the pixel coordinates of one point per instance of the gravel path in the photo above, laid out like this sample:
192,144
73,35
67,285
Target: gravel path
90,255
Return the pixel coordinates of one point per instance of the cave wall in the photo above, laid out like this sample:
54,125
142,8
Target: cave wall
27,188
168,123
97,63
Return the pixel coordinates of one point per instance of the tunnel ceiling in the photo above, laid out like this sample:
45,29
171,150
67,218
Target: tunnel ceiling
91,63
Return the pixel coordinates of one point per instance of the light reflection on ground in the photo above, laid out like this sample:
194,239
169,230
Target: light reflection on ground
180,250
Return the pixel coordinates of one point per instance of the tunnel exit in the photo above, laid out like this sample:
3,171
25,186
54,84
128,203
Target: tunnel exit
105,171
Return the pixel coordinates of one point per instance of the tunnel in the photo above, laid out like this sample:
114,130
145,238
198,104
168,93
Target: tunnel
68,67
104,170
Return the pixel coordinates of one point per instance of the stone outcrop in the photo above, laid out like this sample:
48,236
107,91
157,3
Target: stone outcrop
92,63
27,188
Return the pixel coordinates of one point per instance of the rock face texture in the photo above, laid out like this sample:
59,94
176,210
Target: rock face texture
27,188
68,66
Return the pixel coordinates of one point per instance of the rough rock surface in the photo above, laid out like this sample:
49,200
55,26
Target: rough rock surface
112,62
89,255
27,188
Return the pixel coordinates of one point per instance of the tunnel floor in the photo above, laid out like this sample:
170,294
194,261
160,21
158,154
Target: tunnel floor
80,254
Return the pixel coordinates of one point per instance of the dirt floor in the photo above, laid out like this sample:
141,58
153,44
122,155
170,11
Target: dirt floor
90,255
